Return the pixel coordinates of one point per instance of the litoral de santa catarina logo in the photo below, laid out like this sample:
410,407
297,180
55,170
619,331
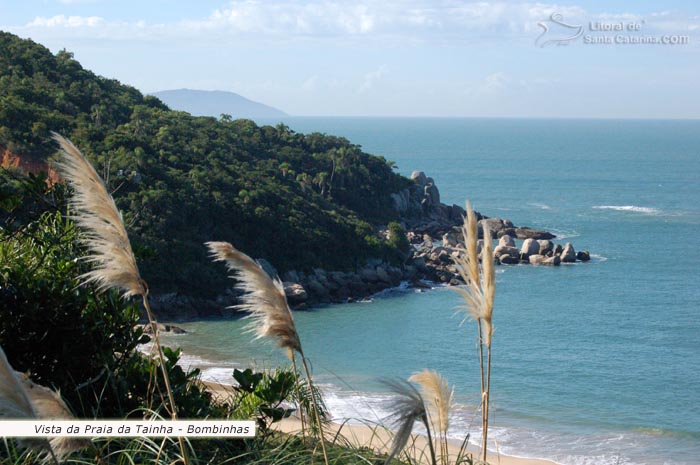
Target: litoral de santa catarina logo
555,31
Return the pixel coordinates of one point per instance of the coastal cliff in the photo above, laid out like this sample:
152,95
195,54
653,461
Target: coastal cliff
432,231
27,164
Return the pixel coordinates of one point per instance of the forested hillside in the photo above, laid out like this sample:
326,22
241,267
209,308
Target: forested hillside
300,201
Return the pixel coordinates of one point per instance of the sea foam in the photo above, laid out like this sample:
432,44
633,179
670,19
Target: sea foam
628,208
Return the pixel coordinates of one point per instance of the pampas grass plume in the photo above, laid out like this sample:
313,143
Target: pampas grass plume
480,289
14,402
48,405
271,317
407,407
436,390
478,297
263,298
20,398
103,233
96,214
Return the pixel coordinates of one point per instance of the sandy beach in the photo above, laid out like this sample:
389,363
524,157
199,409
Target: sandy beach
379,438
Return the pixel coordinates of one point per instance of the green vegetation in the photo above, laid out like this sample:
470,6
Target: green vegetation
301,201
69,336
84,343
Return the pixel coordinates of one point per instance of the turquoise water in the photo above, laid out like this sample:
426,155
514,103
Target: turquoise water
595,363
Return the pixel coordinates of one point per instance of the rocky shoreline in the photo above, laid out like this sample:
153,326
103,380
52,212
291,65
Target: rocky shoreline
435,238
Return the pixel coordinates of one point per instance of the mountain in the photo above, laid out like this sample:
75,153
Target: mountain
215,103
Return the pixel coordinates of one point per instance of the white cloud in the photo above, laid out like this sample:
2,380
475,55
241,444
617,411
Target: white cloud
500,83
77,2
372,77
310,84
495,82
419,21
66,22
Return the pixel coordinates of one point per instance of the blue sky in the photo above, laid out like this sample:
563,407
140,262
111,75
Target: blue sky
390,57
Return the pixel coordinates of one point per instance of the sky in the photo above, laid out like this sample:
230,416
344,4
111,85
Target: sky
391,57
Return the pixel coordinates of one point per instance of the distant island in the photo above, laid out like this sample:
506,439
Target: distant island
215,103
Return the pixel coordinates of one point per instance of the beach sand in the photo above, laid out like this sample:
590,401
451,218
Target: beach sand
379,438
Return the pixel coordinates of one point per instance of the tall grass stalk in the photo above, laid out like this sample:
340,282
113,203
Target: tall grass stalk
438,395
298,393
269,312
103,233
478,297
407,407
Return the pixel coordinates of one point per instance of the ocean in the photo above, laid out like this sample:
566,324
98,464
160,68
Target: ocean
593,363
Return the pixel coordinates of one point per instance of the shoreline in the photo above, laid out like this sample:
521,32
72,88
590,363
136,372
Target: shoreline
379,437
432,238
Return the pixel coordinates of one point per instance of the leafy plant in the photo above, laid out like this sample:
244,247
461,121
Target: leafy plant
262,396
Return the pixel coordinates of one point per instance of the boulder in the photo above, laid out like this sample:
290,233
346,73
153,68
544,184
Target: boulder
507,259
495,225
529,247
552,261
332,286
449,240
558,249
568,254
338,277
438,250
457,213
395,274
320,274
529,233
291,276
583,256
316,287
420,284
506,241
163,328
432,193
546,246
342,294
419,178
506,250
383,275
402,200
419,263
295,292
358,288
409,272
267,266
537,259
369,275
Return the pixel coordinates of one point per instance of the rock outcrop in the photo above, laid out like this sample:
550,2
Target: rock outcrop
568,254
529,247
27,164
434,233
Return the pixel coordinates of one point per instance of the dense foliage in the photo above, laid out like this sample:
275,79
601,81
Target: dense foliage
67,335
300,201
84,343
